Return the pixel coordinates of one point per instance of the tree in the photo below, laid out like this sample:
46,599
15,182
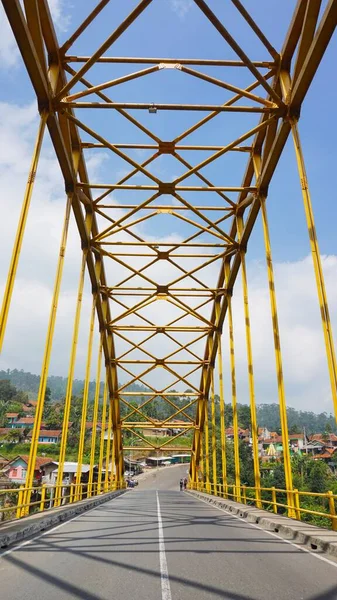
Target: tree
47,395
318,480
244,416
294,428
15,436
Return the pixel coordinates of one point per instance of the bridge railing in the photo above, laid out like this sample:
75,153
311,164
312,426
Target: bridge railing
279,501
16,503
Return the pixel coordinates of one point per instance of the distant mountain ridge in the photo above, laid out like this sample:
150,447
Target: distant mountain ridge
29,383
268,415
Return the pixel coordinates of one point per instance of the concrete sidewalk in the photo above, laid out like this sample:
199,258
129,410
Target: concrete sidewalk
315,538
18,530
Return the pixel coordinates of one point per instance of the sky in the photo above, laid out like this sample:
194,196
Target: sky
174,28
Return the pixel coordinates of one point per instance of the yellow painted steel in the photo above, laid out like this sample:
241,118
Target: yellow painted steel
101,447
206,454
69,390
85,394
222,416
47,353
233,386
114,471
107,454
214,457
21,228
95,413
201,477
316,257
278,358
277,345
251,383
284,80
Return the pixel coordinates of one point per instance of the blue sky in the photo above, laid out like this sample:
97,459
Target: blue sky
177,28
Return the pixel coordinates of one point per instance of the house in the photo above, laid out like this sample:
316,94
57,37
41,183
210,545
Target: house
32,404
264,433
48,436
106,434
52,436
23,423
326,455
29,408
296,441
16,469
50,471
157,461
89,426
12,418
314,447
156,432
244,434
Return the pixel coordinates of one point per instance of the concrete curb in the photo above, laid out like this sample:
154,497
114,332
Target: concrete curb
16,531
314,538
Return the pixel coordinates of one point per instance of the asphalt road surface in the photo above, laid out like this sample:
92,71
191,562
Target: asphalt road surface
157,543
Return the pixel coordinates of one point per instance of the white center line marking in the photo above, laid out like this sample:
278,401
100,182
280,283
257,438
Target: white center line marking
165,582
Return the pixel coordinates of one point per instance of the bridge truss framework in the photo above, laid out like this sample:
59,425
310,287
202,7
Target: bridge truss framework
64,92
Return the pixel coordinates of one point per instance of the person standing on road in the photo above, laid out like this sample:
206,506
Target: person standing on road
185,483
181,483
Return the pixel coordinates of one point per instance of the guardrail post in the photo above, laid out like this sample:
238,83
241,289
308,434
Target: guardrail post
274,499
297,505
43,497
71,497
332,510
19,512
244,494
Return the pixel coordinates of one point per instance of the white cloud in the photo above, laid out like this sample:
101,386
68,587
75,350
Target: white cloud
181,7
60,17
9,53
306,377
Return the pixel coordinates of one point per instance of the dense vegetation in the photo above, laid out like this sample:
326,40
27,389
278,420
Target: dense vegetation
17,387
27,385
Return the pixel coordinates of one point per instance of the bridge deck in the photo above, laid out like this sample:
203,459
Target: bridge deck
113,552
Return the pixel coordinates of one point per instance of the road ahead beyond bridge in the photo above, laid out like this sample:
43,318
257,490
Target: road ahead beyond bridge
156,543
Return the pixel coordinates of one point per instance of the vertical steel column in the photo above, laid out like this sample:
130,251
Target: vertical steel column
257,476
21,228
85,394
233,382
46,356
67,404
214,461
107,455
201,464
277,344
114,472
101,447
278,358
316,257
222,417
95,413
206,432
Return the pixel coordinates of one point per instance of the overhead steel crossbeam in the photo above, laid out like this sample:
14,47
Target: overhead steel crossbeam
158,302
